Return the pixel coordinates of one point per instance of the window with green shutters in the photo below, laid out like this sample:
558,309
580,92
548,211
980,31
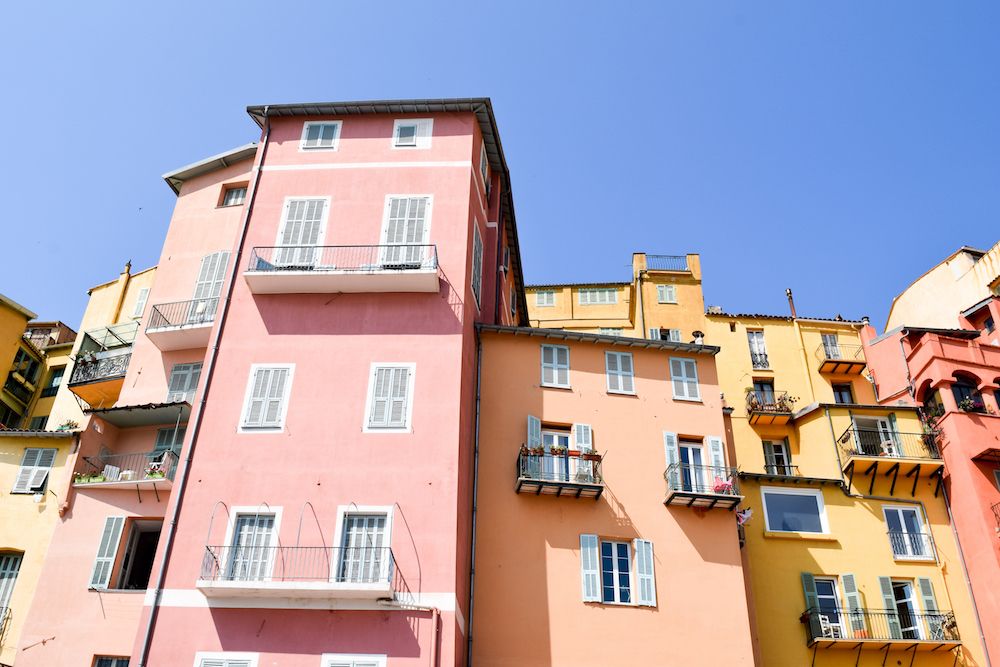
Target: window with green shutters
107,550
183,382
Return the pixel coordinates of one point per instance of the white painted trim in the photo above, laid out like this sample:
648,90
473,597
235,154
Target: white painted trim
338,529
410,394
193,598
368,165
541,367
201,656
491,225
685,378
243,510
338,658
324,222
816,493
607,372
422,136
318,149
427,218
284,404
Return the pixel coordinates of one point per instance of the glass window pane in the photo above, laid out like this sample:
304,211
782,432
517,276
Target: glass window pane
793,512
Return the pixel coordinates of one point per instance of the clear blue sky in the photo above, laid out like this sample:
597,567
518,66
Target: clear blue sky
836,148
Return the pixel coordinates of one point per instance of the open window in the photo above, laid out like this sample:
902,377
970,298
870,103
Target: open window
125,553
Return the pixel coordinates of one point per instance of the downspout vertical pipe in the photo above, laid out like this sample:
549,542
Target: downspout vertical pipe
642,307
170,532
475,494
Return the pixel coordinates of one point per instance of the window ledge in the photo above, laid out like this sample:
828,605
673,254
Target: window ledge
261,429
557,386
688,400
623,393
816,537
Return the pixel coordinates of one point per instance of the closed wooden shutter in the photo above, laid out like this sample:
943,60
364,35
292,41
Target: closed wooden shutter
140,302
390,398
303,227
10,565
854,607
107,551
889,603
183,382
266,407
583,437
718,456
590,575
672,456
646,580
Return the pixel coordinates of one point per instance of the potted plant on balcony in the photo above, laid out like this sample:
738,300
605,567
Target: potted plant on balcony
557,450
971,404
590,456
68,425
154,471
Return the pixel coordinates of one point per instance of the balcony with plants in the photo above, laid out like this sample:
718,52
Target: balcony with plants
880,629
559,471
702,486
127,471
101,362
769,407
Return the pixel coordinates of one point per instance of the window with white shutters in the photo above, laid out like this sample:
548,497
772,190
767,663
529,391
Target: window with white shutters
389,403
208,288
590,572
645,577
596,297
405,231
477,264
364,548
684,377
183,382
33,474
555,366
545,298
619,371
267,397
666,293
302,231
655,334
484,167
10,565
140,302
251,555
675,335
107,550
339,660
225,659
321,135
234,196
609,331
412,133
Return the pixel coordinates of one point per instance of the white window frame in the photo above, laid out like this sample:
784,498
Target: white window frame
555,367
343,510
815,493
189,395
286,207
428,215
423,130
666,293
410,397
684,379
924,530
619,374
337,659
838,590
245,510
477,271
610,331
227,190
611,291
654,334
631,572
248,395
547,301
305,132
140,303
201,656
782,447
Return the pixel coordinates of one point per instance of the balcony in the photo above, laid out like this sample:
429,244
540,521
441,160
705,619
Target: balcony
326,269
144,470
676,263
352,573
769,407
878,629
781,470
101,362
912,546
873,450
840,359
759,361
574,474
704,487
182,325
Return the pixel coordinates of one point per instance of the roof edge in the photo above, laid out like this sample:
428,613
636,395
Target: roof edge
175,179
621,341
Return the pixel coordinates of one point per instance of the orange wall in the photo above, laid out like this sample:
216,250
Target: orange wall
528,609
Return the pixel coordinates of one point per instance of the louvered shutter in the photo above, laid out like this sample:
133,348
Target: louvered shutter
10,565
562,365
275,397
673,457
258,395
477,263
380,396
625,364
399,397
812,603
107,551
770,462
854,608
889,604
583,436
678,378
140,302
646,581
590,574
166,440
926,589
34,470
534,432
718,456
611,370
548,364
675,335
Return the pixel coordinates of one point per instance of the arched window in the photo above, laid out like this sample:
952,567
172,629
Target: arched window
966,394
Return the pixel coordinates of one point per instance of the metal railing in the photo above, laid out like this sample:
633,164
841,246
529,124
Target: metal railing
912,546
49,392
142,466
108,338
584,468
182,313
667,263
769,401
879,624
341,565
996,514
344,258
840,352
4,622
875,442
17,389
759,360
101,365
688,478
784,469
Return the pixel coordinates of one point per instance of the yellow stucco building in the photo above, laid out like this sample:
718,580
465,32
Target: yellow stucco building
849,554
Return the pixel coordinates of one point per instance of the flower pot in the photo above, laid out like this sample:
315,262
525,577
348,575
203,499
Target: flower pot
574,452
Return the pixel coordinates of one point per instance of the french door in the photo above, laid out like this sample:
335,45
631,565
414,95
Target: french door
364,556
303,231
251,551
405,231
10,564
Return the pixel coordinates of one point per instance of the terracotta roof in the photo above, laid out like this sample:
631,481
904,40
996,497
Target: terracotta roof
622,341
545,285
787,318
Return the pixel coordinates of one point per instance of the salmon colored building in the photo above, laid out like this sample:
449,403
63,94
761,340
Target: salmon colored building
605,530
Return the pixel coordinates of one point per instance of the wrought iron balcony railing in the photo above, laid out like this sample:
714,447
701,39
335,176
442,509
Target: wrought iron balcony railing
138,467
892,444
840,352
996,514
912,546
353,258
769,401
4,623
667,263
759,360
19,391
783,469
715,480
107,365
829,623
569,473
182,313
325,565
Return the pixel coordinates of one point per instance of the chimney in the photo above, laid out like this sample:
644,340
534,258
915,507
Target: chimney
791,302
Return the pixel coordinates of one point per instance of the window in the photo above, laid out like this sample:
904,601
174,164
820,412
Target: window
484,167
794,511
477,264
183,382
758,350
138,550
55,380
545,298
405,231
608,573
412,133
763,392
168,439
831,346
9,418
595,297
26,365
33,474
140,302
967,396
389,391
666,293
250,547
828,604
877,437
907,622
619,371
225,659
302,231
615,579
267,397
989,325
842,393
609,331
321,135
513,302
777,458
234,196
38,423
10,565
906,533
684,376
996,477
364,548
555,366
104,661
340,660
208,287
674,335
655,334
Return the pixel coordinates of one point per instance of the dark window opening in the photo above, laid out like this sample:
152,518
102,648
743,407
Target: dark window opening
842,393
139,550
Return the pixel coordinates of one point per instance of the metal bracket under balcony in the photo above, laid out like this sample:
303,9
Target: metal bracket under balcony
182,325
841,359
244,571
880,629
358,268
874,451
573,473
769,408
705,487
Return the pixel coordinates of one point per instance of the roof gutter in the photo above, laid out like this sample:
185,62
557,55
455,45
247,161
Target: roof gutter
212,356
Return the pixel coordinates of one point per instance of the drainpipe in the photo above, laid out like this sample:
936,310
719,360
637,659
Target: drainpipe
642,308
475,494
147,637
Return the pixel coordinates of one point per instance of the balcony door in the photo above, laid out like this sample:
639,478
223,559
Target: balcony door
405,232
828,602
303,229
758,349
906,609
208,288
251,553
364,553
906,532
693,471
831,346
556,466
876,436
10,564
